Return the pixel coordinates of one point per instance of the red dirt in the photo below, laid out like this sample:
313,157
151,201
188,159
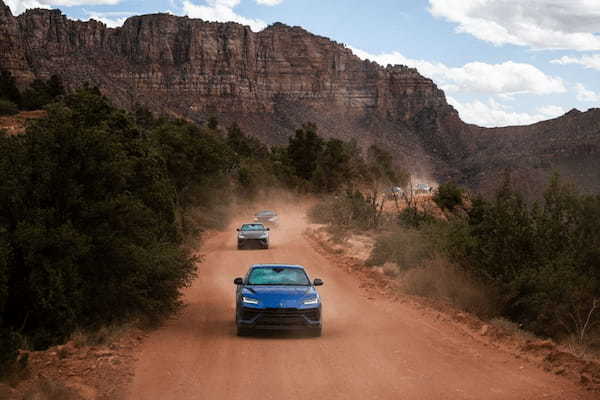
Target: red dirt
372,348
76,371
16,124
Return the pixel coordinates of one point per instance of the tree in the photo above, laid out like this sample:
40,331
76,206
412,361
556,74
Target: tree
88,232
8,107
8,88
245,146
380,174
303,150
334,167
448,196
55,87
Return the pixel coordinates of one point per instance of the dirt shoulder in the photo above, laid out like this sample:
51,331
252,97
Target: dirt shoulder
377,343
15,124
544,354
373,346
77,370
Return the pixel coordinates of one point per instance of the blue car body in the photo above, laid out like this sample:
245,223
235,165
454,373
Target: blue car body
286,306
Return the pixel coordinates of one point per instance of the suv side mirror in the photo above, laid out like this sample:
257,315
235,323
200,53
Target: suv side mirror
318,282
238,229
238,281
268,229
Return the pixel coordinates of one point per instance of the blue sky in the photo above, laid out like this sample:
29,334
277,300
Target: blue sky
500,62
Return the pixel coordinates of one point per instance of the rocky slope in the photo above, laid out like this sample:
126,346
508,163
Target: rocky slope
568,145
273,81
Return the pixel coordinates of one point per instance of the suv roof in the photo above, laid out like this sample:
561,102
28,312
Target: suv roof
266,212
276,265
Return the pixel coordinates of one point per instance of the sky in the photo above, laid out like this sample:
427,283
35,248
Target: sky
500,62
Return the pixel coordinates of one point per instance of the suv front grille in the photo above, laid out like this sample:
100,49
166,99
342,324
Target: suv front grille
281,316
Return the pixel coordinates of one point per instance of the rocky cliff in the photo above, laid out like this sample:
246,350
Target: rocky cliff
270,83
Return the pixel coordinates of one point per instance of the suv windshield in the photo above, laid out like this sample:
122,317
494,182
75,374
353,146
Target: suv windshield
278,276
253,227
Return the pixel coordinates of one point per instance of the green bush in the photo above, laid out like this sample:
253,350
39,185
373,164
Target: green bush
543,258
41,93
8,88
412,217
448,196
10,342
88,221
8,108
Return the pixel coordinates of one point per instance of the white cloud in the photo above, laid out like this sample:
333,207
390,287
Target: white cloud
584,94
18,6
221,11
112,19
494,114
269,2
591,62
505,80
539,24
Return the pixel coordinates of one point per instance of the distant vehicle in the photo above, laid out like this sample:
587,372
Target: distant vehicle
277,297
395,192
423,188
253,233
267,217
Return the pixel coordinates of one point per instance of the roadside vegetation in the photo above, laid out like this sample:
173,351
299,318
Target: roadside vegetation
101,209
535,264
39,94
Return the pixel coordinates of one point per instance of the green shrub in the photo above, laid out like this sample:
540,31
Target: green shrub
88,227
41,93
414,218
10,342
8,88
543,258
448,196
8,108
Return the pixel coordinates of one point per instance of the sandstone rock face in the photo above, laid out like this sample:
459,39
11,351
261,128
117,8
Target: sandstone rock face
273,81
12,53
270,82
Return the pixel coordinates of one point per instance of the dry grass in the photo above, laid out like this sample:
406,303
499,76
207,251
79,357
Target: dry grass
588,349
441,280
512,328
103,335
48,389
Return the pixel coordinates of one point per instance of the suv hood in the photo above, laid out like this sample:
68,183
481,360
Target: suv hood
280,296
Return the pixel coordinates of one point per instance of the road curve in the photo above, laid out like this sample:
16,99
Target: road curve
370,348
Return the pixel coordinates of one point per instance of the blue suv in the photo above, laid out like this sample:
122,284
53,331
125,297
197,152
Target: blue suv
277,296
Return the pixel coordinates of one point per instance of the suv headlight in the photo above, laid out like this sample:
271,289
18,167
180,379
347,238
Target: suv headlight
249,300
311,301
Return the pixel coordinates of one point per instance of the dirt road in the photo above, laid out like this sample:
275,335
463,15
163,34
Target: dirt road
371,348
